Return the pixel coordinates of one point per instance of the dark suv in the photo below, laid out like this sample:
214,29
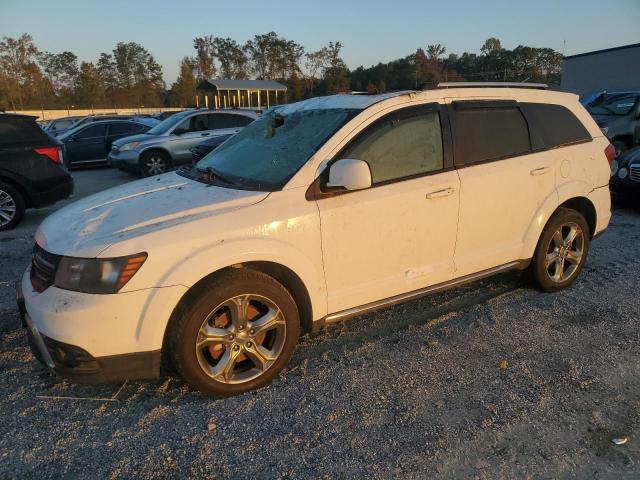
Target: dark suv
618,115
32,174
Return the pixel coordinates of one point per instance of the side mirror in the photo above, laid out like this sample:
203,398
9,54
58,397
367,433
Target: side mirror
350,174
74,138
179,131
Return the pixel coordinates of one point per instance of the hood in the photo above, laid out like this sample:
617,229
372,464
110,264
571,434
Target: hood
141,137
89,226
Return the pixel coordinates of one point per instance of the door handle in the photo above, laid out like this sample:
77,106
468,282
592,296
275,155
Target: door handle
445,192
205,134
540,171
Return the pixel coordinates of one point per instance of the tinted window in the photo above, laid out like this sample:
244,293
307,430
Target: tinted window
197,123
614,103
62,124
553,125
92,132
228,120
138,128
120,128
400,145
487,133
20,130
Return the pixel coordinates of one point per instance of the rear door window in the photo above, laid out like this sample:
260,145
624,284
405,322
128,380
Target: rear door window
227,120
94,131
486,131
553,126
403,144
119,129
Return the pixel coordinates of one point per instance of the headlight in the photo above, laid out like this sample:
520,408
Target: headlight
97,275
129,146
622,173
614,167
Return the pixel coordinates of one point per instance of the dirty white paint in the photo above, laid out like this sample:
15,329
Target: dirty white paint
348,250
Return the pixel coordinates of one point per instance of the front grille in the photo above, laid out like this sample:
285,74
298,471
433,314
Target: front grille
634,173
43,268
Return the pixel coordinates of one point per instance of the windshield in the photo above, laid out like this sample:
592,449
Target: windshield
613,103
268,152
166,125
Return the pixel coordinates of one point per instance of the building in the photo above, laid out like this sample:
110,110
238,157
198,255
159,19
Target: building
253,94
613,69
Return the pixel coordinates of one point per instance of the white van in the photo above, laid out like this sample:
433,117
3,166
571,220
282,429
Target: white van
317,211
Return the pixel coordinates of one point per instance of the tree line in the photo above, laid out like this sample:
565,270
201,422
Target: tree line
129,76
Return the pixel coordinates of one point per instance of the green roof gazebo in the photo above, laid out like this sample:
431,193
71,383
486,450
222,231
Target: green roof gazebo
251,94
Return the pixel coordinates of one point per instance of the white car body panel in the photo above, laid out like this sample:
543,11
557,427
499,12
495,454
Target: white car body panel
348,250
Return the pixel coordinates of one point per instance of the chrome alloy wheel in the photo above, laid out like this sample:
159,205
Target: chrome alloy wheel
155,165
7,208
565,252
241,339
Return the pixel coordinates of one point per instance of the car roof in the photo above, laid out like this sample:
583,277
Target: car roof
359,102
17,116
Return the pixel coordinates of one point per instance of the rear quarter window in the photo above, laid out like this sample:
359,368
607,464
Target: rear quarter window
21,131
553,126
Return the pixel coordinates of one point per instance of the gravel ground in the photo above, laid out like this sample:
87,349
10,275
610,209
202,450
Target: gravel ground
491,380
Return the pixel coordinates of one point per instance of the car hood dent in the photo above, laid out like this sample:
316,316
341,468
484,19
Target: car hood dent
89,226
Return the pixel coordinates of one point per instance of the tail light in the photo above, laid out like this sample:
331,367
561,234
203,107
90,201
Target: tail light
54,153
610,153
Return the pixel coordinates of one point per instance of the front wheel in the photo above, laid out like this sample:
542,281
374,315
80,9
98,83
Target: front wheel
561,251
236,335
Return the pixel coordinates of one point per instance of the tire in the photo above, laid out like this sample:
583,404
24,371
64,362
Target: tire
252,353
620,147
12,206
558,260
154,163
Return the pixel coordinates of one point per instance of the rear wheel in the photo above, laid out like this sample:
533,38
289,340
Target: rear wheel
12,206
562,250
154,163
236,335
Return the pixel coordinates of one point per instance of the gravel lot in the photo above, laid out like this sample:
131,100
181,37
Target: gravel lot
491,380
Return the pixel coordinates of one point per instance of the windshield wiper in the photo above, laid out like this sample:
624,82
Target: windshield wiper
211,174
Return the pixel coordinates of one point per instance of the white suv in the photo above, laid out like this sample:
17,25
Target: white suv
318,211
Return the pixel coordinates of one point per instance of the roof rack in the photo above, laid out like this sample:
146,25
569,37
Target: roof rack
535,86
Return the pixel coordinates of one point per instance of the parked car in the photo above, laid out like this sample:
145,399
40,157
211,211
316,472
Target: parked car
164,115
89,144
60,125
318,211
625,175
204,148
32,174
618,114
167,144
96,118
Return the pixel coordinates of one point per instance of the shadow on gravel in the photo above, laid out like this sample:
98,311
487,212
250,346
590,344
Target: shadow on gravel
440,312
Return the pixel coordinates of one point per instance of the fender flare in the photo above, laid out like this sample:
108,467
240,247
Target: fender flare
196,266
563,193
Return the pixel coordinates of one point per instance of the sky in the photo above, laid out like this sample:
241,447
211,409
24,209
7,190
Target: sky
371,32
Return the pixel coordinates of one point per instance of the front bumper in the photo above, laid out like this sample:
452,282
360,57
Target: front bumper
126,160
90,339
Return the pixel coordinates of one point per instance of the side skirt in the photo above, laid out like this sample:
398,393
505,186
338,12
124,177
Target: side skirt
423,292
